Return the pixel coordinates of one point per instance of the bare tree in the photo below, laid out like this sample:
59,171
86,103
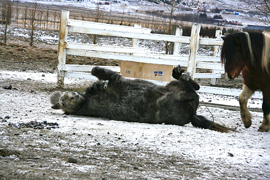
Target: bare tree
261,8
33,11
98,15
6,16
54,20
171,7
47,19
40,16
25,16
17,12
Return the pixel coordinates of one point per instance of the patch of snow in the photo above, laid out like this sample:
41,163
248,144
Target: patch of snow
37,76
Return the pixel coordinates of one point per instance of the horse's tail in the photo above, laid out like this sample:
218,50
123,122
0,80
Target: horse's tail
202,122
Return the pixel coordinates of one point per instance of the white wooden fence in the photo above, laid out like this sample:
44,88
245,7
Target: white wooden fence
192,61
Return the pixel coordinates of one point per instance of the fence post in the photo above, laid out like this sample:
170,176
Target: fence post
217,48
63,31
194,45
216,53
176,46
135,42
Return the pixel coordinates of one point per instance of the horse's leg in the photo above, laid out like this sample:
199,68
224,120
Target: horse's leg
178,74
105,74
265,126
243,99
96,87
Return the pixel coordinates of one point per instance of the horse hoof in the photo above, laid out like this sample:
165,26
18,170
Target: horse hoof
247,124
177,72
179,69
246,118
262,130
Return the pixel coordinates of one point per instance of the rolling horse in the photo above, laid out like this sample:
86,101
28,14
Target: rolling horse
118,98
249,52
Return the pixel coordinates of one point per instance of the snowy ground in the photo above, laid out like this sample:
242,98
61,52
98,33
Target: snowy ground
111,149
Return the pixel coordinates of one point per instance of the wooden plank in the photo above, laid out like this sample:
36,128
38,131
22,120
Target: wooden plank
210,65
165,59
88,68
146,71
155,37
184,58
108,27
105,48
229,107
206,75
125,57
211,42
208,59
227,91
80,75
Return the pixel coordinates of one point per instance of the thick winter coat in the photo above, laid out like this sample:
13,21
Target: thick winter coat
115,97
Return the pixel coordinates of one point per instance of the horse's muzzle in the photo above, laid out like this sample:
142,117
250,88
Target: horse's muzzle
230,77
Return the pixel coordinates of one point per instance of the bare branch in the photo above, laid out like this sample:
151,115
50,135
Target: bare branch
261,9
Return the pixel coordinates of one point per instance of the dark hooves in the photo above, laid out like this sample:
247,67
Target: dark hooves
95,70
177,72
262,130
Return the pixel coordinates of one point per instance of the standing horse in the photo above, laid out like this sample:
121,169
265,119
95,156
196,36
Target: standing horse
249,53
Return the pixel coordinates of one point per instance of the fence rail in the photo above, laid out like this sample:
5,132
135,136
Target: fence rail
136,54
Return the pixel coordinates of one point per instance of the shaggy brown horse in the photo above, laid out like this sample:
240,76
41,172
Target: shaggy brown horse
249,53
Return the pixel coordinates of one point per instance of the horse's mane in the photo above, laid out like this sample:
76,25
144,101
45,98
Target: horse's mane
251,44
266,52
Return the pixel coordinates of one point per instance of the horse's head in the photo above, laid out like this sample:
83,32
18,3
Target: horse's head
68,101
235,54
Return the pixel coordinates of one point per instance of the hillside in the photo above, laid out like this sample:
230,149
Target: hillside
240,11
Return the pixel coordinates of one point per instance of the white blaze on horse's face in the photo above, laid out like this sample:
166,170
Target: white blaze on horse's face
233,69
229,77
